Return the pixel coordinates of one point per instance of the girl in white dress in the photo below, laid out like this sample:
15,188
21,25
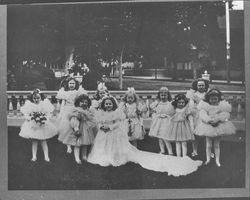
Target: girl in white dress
133,109
214,114
162,111
83,127
67,95
195,95
181,124
37,125
112,147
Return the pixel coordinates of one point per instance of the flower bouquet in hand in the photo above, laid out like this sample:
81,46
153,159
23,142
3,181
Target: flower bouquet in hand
77,135
129,127
104,128
39,118
214,122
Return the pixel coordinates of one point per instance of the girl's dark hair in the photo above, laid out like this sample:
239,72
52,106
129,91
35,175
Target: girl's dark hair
213,92
195,82
35,92
180,97
112,99
169,95
65,83
78,99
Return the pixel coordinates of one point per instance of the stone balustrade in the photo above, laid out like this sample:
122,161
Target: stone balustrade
236,98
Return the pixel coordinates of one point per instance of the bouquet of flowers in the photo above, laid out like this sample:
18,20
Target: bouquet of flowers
38,118
129,127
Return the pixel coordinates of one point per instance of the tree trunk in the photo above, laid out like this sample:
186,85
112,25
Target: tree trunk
174,76
194,68
69,45
120,69
69,54
165,62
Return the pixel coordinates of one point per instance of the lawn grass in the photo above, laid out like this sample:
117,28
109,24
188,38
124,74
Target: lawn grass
62,173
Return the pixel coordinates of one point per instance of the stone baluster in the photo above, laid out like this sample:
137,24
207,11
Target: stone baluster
147,106
18,107
239,108
143,100
229,99
10,108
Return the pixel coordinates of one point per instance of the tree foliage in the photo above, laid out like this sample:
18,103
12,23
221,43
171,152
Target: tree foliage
183,31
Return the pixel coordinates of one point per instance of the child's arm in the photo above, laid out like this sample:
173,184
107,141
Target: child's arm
74,123
223,116
191,121
62,104
223,112
152,108
190,96
48,106
153,105
204,116
26,109
27,117
142,107
61,93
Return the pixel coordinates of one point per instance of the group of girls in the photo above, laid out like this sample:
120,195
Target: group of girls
109,130
201,112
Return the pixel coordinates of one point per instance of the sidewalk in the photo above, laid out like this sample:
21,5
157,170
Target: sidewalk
181,80
149,83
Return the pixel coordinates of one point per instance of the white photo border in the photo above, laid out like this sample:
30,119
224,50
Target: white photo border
114,194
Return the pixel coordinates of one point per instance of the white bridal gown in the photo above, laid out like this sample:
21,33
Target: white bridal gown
113,148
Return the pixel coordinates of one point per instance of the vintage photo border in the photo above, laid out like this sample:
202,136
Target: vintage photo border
113,194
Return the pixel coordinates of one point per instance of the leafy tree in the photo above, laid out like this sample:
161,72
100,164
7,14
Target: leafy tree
173,31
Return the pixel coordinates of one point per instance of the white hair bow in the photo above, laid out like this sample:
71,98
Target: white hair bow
36,90
101,86
131,89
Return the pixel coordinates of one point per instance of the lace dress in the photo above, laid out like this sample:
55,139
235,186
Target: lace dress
113,148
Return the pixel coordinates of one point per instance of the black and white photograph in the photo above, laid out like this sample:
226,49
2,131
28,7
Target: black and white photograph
125,100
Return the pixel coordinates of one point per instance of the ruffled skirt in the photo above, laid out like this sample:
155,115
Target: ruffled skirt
159,128
224,128
88,131
31,130
180,132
